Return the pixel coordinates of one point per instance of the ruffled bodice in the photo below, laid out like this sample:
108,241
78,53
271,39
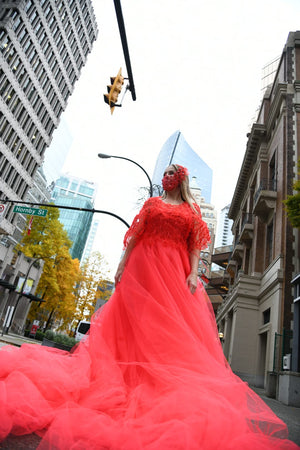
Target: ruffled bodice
178,226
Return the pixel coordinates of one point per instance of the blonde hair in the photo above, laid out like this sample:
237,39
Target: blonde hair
185,191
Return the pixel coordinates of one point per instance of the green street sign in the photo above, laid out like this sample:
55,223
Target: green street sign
30,211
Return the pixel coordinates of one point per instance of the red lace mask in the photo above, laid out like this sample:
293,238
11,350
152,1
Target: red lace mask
170,182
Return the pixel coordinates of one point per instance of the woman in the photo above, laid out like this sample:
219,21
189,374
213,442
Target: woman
151,374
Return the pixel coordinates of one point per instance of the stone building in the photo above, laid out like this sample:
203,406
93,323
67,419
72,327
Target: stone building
256,317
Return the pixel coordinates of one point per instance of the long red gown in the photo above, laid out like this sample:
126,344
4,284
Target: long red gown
151,374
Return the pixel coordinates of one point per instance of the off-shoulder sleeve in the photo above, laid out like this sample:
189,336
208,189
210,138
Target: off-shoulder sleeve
138,224
199,236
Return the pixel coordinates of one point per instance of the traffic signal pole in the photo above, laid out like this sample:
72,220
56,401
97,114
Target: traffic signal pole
49,205
125,46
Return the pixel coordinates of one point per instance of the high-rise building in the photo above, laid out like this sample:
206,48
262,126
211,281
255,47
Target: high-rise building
43,47
75,192
224,234
90,240
177,151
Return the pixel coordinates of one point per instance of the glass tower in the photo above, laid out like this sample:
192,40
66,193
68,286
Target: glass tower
75,192
177,151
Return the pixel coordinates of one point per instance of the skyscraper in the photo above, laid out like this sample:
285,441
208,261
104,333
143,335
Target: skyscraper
224,234
90,240
177,150
43,46
75,192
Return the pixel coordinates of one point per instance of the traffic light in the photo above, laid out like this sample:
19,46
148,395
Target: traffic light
114,90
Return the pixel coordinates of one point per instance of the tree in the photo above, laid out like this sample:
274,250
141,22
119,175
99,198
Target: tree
293,203
92,285
49,241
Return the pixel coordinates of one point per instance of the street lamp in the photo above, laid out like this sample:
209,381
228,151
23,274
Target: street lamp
104,156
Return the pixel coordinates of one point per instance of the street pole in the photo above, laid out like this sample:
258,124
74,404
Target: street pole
49,205
125,46
104,156
20,295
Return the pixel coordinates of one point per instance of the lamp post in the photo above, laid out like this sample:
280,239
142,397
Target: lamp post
104,156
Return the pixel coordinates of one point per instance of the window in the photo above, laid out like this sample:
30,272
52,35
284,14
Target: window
28,5
273,172
266,316
269,246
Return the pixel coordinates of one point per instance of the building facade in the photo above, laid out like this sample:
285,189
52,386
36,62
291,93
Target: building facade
74,192
177,151
256,317
43,47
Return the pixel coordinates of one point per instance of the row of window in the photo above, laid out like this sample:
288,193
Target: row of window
13,179
31,52
9,135
22,116
69,31
33,56
24,79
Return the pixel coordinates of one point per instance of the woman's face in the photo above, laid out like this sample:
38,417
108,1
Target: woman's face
170,181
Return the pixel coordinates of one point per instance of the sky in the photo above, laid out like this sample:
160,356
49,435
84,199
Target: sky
197,68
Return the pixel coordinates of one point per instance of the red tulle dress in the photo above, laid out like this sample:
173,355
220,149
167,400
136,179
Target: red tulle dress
151,374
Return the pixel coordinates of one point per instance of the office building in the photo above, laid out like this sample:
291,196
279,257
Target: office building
75,193
43,47
177,151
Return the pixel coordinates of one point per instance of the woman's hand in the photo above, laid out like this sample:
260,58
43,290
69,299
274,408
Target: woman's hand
119,272
192,281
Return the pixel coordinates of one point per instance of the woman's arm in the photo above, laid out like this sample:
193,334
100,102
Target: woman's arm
132,236
192,278
124,259
198,239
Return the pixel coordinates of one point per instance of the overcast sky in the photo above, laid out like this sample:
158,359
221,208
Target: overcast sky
197,68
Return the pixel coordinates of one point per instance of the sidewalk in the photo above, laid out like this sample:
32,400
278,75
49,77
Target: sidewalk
15,339
290,415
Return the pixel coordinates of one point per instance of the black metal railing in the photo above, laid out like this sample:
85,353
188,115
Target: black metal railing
266,185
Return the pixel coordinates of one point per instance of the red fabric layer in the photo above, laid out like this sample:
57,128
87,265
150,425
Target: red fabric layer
151,375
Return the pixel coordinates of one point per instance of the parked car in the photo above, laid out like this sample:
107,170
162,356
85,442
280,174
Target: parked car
82,328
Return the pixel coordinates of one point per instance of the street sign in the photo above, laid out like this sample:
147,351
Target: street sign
30,211
2,211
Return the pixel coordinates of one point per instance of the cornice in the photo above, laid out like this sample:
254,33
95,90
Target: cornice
279,95
255,138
